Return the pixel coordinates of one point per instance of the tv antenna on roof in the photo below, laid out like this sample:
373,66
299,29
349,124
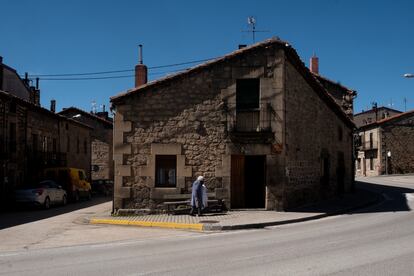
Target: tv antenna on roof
251,21
93,104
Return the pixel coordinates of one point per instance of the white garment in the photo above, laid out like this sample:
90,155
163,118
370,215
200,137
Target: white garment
205,196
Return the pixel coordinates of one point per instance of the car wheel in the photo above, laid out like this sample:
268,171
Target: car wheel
47,203
64,200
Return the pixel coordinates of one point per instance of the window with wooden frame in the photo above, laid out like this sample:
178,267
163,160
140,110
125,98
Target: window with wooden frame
165,170
247,104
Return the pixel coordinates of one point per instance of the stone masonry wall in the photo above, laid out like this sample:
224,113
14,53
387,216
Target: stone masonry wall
187,117
100,156
398,138
313,132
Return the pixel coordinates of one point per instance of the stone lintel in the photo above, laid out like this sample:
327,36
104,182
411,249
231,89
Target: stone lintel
173,149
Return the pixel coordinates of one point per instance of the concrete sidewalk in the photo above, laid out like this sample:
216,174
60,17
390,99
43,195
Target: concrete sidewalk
245,219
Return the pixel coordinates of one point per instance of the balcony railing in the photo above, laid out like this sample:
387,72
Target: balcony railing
250,120
47,158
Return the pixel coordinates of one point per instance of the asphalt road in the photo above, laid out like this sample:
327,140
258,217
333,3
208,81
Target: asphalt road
378,240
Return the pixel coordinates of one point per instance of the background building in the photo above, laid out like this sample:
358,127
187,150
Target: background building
33,138
386,146
101,140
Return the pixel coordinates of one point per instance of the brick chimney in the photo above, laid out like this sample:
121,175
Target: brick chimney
314,64
53,106
141,71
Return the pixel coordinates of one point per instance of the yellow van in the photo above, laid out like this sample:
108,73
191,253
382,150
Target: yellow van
72,180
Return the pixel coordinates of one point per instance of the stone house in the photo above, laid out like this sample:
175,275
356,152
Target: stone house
386,146
259,126
101,140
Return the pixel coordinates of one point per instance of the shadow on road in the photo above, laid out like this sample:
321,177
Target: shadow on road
393,199
30,214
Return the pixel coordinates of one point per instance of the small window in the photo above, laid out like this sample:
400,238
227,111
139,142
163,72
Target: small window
54,145
44,144
247,94
12,107
68,143
371,140
77,145
35,142
85,146
340,134
12,137
166,167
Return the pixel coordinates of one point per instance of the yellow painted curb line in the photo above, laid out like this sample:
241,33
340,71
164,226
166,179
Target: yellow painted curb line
174,225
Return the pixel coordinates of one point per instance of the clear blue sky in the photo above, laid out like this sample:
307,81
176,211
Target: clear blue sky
366,45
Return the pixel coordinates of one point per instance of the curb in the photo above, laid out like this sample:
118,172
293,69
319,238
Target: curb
173,225
213,227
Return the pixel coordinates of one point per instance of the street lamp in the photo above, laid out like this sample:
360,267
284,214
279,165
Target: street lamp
386,161
408,75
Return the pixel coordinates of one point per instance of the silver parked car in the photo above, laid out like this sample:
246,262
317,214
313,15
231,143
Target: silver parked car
44,193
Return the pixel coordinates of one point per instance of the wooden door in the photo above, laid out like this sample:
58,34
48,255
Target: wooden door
237,181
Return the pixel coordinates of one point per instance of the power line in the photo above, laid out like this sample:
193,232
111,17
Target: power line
105,77
116,71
